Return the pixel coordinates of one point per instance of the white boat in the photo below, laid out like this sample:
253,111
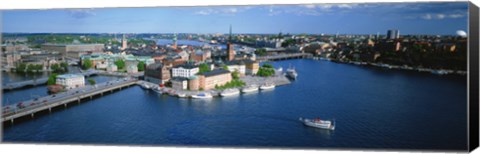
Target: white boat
291,73
202,96
157,90
280,69
145,86
439,72
251,88
182,95
230,92
267,86
318,123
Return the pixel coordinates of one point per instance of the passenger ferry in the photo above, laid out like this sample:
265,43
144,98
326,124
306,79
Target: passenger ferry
251,88
230,92
318,123
291,73
202,96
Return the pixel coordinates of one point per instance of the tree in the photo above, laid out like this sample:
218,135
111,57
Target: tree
203,68
261,51
87,63
141,66
120,64
52,79
225,67
91,81
266,70
21,67
235,75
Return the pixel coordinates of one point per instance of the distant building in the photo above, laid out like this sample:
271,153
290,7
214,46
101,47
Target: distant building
70,81
393,34
124,42
218,77
230,50
185,70
174,41
132,66
277,43
74,50
179,83
199,55
157,73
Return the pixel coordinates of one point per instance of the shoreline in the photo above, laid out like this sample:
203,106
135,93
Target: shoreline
399,67
278,80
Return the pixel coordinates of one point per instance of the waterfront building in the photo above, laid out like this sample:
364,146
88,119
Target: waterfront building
95,58
393,34
236,65
251,67
193,83
13,47
217,77
157,73
74,50
70,81
10,59
185,70
101,65
179,83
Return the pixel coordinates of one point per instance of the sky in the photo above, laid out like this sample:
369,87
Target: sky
438,18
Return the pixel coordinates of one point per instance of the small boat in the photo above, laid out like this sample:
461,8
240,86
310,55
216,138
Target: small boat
230,92
202,96
267,86
439,72
280,69
318,123
182,95
251,88
291,73
145,86
157,90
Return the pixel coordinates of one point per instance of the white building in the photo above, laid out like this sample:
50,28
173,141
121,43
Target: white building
185,71
237,66
70,81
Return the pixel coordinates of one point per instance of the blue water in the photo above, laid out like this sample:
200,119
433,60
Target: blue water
373,108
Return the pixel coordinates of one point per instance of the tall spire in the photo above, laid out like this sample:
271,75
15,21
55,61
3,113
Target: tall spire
230,34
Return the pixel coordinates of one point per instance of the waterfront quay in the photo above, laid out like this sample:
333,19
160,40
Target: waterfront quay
30,107
278,79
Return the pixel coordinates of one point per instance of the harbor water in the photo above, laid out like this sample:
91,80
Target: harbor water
373,108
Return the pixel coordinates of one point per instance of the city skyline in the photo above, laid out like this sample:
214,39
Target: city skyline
355,18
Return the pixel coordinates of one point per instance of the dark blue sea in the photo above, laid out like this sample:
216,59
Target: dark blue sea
373,108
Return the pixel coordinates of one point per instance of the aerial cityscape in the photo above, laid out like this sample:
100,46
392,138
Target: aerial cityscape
385,76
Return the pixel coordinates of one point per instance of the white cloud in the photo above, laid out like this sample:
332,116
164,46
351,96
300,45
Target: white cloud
81,13
222,11
440,16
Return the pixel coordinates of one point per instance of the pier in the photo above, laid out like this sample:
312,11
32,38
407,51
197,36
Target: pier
284,56
30,107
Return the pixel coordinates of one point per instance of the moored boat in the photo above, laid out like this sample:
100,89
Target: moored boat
157,90
230,92
291,73
202,96
318,123
251,88
145,86
267,86
182,95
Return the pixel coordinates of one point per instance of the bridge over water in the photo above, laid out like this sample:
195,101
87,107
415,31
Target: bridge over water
30,107
284,56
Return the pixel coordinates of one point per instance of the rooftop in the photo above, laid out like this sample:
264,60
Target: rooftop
215,72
